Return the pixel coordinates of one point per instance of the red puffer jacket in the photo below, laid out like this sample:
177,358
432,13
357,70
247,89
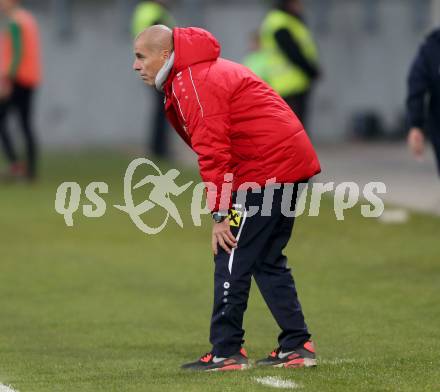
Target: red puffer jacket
232,119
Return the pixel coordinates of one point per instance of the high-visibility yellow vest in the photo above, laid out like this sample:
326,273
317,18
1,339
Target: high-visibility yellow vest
285,77
147,13
257,63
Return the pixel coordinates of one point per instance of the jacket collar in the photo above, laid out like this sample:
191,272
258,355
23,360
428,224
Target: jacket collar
164,73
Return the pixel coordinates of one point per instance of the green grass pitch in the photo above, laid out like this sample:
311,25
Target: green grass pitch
104,307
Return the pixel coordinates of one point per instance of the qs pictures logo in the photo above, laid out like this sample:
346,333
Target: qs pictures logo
164,186
160,190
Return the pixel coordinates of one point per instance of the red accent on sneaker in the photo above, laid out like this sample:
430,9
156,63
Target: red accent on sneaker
230,361
231,367
296,363
206,358
273,354
243,352
293,356
309,346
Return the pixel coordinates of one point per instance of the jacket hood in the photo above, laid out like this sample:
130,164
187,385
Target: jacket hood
194,45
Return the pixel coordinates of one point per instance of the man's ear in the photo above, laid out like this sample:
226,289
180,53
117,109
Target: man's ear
166,54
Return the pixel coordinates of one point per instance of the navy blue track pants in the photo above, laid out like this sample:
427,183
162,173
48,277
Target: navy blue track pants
261,240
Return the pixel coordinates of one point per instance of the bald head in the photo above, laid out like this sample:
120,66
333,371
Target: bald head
156,38
152,48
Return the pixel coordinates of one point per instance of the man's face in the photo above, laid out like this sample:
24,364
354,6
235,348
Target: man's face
148,62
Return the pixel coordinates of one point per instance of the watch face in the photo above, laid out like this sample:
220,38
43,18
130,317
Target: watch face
217,217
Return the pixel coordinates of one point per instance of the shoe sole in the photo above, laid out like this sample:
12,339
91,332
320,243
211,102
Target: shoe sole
297,363
243,366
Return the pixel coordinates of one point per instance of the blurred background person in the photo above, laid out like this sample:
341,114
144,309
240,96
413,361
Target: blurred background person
256,59
146,14
292,55
20,76
423,101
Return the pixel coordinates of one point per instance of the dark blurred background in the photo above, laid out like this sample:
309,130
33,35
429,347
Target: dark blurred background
91,95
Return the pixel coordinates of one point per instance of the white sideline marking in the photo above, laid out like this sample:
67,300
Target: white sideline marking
5,388
277,382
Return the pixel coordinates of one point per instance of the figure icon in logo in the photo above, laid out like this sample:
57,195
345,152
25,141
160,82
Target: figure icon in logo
163,186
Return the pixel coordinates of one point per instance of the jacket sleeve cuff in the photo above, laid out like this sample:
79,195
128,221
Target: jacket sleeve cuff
416,122
218,202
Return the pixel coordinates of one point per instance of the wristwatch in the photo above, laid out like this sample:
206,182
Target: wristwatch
219,216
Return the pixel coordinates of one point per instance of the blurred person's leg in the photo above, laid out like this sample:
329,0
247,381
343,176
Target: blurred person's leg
159,137
5,138
299,103
16,168
435,139
24,105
